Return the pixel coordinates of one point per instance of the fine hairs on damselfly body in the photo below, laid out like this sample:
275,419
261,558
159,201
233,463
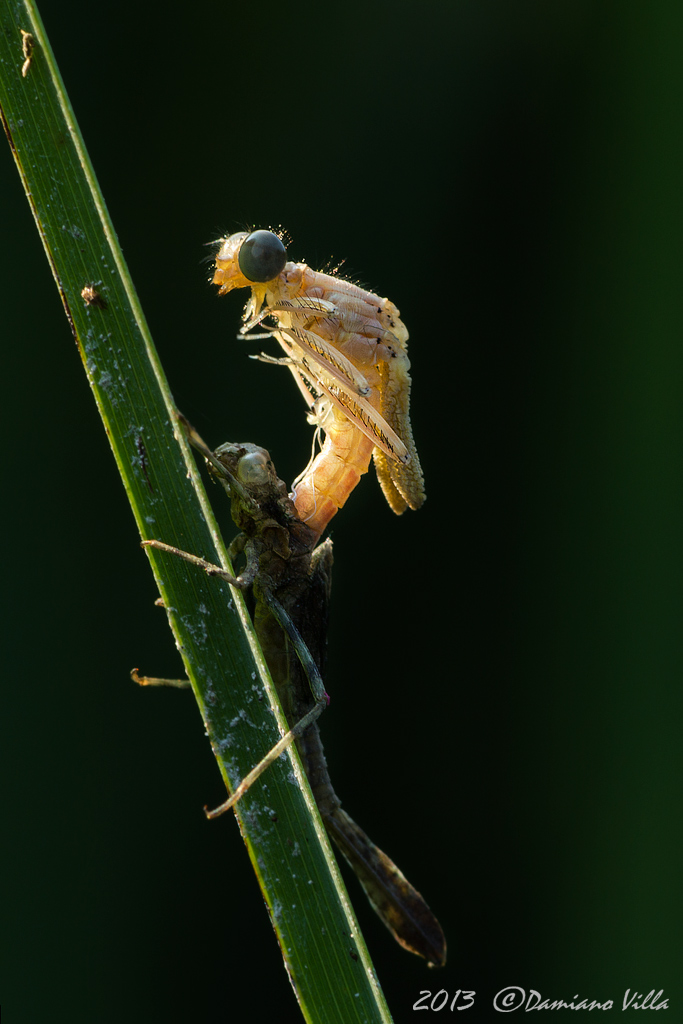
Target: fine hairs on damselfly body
289,578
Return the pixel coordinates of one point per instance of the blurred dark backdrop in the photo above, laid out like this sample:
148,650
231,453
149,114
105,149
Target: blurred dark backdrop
510,176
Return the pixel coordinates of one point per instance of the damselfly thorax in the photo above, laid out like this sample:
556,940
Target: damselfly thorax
347,350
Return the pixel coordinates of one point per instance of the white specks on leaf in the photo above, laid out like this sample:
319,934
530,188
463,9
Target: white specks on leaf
242,716
74,231
197,630
90,342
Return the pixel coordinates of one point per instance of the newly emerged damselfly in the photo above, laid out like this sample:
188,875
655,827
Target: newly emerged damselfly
347,350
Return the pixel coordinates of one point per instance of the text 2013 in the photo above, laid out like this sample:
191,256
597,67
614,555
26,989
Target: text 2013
441,1000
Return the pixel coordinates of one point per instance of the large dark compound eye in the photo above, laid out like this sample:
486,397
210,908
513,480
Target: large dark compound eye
262,256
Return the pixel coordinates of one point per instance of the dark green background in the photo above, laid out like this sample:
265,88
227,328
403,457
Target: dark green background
505,663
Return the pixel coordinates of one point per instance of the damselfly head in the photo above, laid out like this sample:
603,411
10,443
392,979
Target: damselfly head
249,258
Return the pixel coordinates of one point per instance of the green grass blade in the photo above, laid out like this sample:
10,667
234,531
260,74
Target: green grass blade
323,951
